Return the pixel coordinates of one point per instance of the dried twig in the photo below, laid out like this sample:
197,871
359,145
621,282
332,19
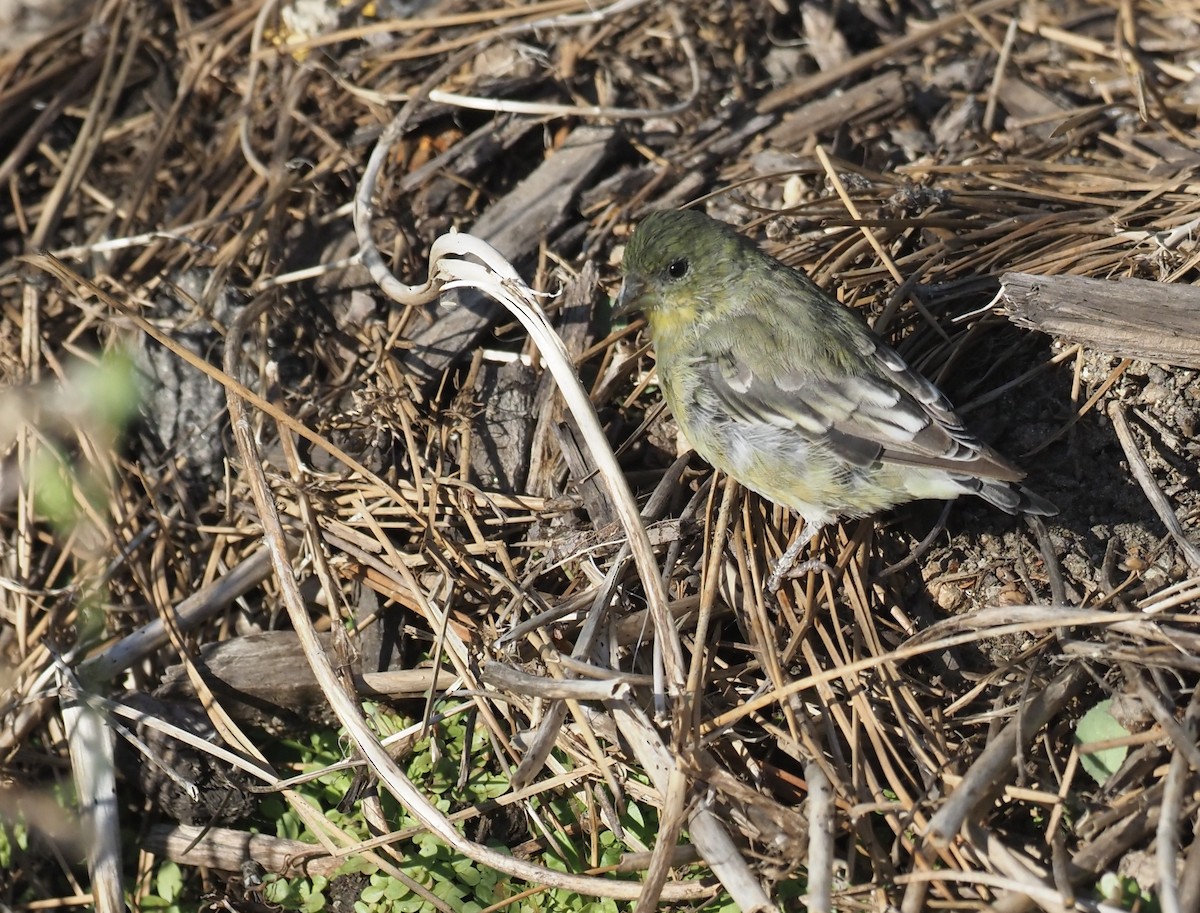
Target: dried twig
1141,472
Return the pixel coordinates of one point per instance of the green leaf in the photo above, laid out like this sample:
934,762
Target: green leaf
54,494
1099,725
13,835
467,874
448,892
414,903
486,893
371,894
428,845
277,892
108,391
168,882
355,865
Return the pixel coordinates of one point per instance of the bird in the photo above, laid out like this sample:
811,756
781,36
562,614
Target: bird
789,392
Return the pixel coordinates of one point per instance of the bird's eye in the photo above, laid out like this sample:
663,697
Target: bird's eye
677,269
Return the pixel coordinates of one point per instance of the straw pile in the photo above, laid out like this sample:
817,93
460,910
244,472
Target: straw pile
244,490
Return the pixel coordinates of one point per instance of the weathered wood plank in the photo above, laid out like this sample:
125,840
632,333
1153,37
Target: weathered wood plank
1130,318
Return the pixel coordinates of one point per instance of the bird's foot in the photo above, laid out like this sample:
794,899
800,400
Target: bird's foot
782,573
787,568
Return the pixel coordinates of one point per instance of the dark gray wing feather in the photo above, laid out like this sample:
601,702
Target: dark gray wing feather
890,414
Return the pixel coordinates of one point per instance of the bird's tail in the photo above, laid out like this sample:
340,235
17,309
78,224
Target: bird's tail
1012,498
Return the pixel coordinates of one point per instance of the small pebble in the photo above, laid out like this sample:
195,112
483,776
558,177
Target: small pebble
1153,393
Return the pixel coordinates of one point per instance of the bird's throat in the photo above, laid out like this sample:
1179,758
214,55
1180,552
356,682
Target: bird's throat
676,323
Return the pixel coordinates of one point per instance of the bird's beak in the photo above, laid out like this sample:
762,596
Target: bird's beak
629,299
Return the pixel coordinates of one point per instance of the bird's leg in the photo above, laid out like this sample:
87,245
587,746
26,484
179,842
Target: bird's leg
787,566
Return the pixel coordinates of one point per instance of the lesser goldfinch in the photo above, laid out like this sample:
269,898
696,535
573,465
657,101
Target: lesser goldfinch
777,384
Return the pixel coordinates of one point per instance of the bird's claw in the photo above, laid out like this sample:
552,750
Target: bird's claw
782,573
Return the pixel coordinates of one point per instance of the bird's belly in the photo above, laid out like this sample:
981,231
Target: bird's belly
802,473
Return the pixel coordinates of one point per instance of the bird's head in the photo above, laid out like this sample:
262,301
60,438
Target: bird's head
678,268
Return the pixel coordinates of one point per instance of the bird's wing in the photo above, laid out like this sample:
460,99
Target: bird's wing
891,414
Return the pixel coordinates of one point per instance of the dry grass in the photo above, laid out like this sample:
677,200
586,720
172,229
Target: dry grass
191,172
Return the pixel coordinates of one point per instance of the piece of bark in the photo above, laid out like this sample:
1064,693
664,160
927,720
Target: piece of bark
515,225
709,146
825,80
574,326
825,41
1173,154
721,138
583,474
186,784
502,428
182,409
268,674
1129,318
872,99
479,148
1026,103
